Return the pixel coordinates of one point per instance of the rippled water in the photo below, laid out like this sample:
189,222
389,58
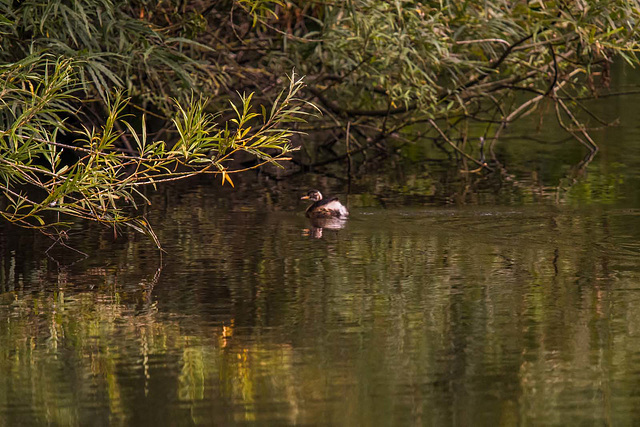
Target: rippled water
429,315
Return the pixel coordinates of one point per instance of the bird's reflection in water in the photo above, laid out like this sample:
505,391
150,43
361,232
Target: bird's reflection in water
320,224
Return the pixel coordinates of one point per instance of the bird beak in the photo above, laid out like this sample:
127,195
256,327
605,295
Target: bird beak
304,198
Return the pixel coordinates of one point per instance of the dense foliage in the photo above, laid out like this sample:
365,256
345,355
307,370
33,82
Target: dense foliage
69,142
103,97
452,70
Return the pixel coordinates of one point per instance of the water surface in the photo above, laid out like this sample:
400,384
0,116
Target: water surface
426,315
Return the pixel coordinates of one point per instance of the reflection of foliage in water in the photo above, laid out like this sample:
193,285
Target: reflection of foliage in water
475,315
90,348
603,187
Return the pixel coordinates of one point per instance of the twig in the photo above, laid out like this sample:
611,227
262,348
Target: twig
455,147
555,70
483,41
591,143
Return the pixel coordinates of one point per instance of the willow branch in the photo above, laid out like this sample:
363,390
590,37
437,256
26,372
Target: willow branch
455,147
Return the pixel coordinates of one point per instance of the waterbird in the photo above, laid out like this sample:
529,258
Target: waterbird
324,208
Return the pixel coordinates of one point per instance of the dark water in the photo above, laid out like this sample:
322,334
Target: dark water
444,301
434,316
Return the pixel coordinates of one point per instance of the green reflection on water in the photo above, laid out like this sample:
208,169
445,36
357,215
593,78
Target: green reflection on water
474,316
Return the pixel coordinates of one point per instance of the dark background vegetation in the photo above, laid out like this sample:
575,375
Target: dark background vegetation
103,97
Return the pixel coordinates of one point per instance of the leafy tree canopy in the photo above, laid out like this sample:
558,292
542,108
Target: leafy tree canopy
101,98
